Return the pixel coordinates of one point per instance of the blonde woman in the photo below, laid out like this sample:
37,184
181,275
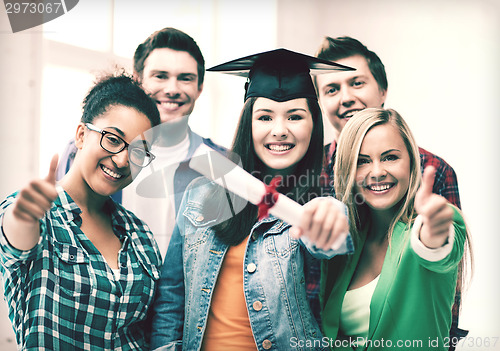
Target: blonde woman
397,289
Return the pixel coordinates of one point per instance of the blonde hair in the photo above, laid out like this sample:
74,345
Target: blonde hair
346,162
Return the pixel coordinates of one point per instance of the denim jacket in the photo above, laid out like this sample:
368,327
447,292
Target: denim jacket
191,268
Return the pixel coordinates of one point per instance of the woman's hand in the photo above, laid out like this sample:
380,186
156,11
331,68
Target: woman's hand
323,223
437,216
20,223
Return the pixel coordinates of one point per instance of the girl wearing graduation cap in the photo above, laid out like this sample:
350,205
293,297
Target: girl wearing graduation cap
237,281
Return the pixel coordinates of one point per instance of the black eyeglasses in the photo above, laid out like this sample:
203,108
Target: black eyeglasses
112,143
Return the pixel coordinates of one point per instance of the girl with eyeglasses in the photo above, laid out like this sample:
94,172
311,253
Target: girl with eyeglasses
80,270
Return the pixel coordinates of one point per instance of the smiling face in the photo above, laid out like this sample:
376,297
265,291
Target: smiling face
383,170
171,79
341,94
281,132
103,172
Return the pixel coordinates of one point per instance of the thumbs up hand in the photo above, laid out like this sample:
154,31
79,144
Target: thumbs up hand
20,221
37,197
436,214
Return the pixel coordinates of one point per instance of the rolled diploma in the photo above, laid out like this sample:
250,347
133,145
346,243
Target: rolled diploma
232,177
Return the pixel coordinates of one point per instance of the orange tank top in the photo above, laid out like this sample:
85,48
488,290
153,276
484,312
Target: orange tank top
228,325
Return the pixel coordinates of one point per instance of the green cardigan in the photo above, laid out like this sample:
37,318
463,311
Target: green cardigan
411,305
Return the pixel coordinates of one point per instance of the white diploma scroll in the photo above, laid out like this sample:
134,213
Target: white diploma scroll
232,177
235,179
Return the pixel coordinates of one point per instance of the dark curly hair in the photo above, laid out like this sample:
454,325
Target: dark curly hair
114,89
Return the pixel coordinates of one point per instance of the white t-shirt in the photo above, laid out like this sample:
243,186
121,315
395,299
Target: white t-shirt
355,312
158,212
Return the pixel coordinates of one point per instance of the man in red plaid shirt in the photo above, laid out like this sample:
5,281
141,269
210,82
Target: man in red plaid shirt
341,95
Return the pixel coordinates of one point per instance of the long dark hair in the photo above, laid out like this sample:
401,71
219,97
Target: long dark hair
301,186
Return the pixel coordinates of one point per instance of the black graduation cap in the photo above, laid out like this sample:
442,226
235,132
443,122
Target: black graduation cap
280,74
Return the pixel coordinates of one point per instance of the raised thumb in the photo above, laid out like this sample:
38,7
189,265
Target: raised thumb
428,180
51,177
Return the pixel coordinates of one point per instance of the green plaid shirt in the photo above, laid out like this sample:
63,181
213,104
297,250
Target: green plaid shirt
62,295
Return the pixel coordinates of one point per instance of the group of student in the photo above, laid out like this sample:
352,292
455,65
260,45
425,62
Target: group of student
176,262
